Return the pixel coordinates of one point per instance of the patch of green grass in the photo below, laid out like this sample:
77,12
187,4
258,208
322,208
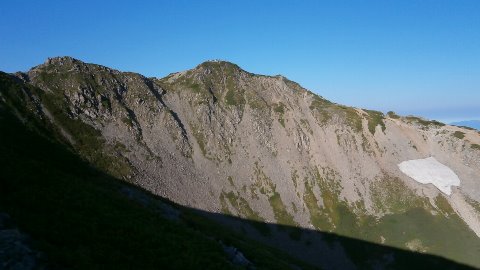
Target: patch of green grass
266,187
338,215
262,182
280,110
255,101
280,210
474,203
391,195
334,215
405,222
244,209
195,87
319,103
375,118
321,109
393,115
120,147
305,124
127,121
324,117
242,206
106,103
352,118
224,205
459,135
199,88
442,236
317,217
89,142
424,123
436,123
234,97
475,146
444,206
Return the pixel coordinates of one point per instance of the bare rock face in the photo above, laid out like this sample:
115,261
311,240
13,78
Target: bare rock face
221,139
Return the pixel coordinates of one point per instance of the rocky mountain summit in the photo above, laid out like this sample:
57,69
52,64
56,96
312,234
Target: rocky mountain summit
262,148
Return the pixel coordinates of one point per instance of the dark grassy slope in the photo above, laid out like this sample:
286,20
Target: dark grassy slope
78,217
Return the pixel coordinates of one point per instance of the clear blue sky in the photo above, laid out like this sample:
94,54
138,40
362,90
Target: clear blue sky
415,57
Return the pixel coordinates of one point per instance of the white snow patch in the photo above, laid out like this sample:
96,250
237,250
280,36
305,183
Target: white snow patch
430,171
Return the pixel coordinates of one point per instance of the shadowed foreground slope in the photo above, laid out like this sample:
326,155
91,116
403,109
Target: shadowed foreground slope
81,218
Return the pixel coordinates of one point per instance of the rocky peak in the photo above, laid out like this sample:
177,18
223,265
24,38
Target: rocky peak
60,63
218,64
217,69
61,60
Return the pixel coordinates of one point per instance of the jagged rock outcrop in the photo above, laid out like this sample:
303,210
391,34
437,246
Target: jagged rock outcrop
221,139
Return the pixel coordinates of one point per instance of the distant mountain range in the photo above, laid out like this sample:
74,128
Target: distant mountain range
470,123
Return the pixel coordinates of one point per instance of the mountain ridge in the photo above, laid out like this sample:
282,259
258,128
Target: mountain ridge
262,148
